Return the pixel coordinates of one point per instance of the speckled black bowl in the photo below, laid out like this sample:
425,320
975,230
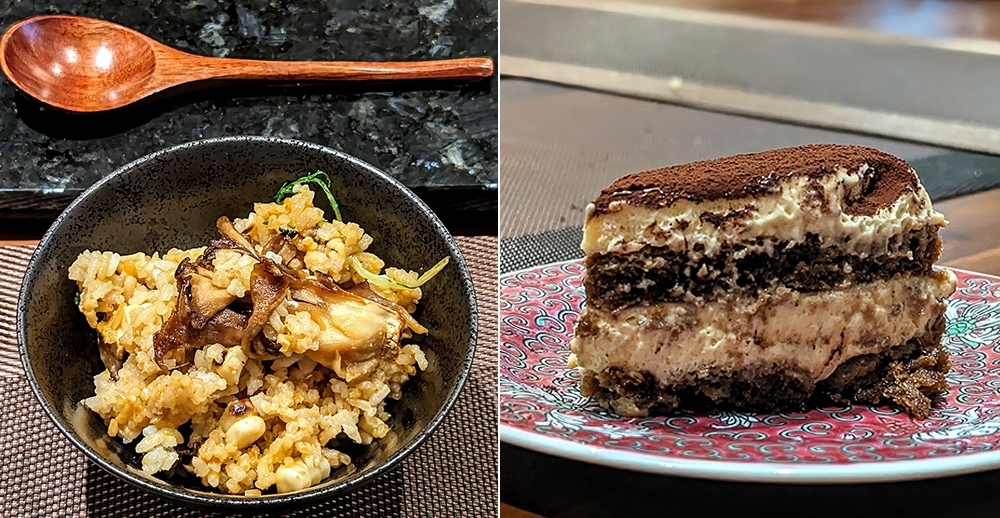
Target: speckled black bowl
172,199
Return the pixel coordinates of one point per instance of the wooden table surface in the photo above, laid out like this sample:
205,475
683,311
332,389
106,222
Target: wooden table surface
972,239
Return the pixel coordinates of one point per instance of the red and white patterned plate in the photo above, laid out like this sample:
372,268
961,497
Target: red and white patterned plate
541,407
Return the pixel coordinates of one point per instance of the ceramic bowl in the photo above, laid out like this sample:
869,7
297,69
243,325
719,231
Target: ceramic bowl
172,198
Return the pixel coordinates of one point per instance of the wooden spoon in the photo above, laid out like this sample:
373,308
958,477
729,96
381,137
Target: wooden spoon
87,65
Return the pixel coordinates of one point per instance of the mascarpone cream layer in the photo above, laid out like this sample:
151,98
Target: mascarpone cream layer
802,206
815,332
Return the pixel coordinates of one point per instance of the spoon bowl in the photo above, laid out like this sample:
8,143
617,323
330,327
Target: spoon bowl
66,60
88,65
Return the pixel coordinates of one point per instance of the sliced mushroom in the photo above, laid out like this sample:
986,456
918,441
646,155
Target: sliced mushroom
202,316
359,326
268,289
109,357
207,258
281,245
225,328
233,238
262,348
287,251
202,298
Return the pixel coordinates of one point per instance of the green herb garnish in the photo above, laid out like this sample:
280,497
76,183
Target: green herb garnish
319,178
385,282
76,298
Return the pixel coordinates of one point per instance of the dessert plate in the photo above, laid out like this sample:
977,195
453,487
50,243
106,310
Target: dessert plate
541,407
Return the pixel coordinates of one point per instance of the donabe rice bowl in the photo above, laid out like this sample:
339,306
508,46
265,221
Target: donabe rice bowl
253,361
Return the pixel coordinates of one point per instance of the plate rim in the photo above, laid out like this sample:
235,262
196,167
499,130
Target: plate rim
783,473
762,472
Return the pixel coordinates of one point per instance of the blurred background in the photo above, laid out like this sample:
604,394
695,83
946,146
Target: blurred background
595,89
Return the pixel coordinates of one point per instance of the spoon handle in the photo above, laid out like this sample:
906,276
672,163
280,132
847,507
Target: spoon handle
218,68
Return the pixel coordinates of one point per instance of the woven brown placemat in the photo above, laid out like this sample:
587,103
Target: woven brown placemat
454,473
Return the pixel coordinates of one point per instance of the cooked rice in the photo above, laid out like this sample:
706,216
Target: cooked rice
303,410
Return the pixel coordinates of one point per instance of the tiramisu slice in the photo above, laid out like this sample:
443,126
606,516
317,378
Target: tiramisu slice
764,282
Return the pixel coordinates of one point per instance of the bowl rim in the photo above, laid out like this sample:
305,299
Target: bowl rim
306,496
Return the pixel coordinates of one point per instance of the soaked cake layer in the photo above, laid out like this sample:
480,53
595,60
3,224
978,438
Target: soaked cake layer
811,334
658,274
909,375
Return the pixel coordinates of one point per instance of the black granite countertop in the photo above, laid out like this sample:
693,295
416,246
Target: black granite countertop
434,137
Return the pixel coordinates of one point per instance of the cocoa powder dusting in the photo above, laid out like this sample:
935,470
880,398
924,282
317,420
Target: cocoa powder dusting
756,174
